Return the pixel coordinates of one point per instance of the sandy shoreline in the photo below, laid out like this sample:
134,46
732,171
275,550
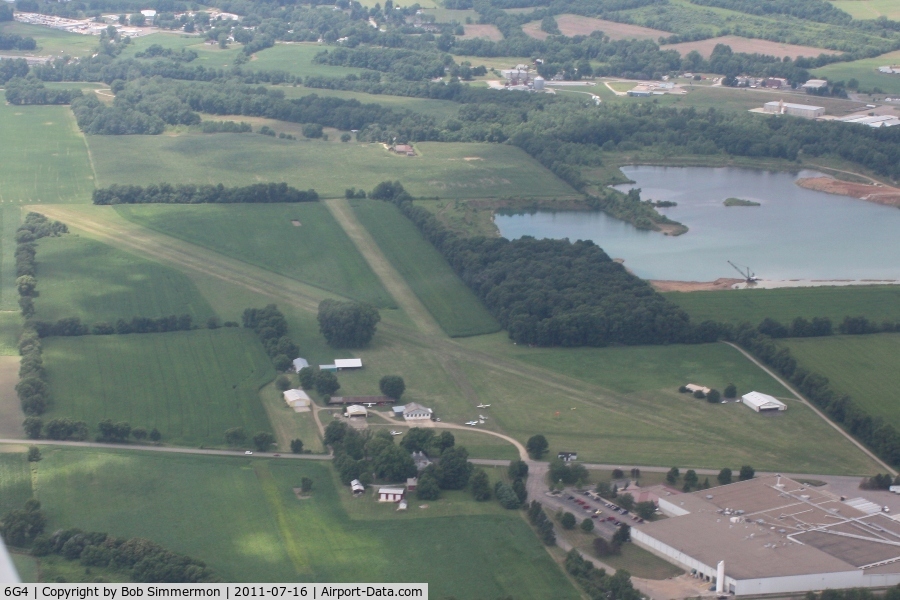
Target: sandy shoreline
763,284
723,283
880,194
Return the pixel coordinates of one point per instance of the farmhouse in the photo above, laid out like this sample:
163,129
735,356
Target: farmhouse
772,535
390,494
797,110
298,400
416,412
763,402
421,461
355,410
776,83
404,149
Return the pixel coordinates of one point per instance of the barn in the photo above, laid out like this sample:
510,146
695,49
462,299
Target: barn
391,494
763,402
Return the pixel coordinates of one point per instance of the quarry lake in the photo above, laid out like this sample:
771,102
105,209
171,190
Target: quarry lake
795,233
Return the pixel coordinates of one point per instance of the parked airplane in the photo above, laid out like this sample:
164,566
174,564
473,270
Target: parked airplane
483,406
371,404
471,422
396,433
482,417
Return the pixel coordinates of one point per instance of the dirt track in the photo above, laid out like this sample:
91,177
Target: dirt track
723,283
880,194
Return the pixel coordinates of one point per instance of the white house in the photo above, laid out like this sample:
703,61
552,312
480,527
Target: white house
416,412
762,402
391,494
300,363
298,400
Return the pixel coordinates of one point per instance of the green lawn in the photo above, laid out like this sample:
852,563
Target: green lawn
453,305
867,367
241,517
192,386
50,42
297,59
317,251
80,277
15,480
865,71
877,303
869,9
453,170
633,414
48,162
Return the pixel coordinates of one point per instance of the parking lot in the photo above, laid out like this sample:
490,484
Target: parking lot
607,516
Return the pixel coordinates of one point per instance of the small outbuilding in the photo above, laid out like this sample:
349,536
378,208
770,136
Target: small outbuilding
348,363
412,483
357,487
416,412
763,402
567,456
693,387
300,363
355,410
298,400
391,494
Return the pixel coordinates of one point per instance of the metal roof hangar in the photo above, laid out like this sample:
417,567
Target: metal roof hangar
774,536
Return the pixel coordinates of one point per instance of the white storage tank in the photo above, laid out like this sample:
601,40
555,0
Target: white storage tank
538,83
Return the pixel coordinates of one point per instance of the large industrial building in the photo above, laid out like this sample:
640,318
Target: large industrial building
775,536
797,110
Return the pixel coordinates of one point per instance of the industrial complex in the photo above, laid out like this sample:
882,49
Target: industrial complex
774,535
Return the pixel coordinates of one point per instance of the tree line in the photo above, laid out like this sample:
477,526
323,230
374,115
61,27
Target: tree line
72,326
13,41
140,559
272,328
65,428
166,193
32,91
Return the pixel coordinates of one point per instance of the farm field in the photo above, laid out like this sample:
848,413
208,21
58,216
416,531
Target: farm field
748,45
741,99
50,42
867,367
869,9
192,386
287,424
80,277
448,15
866,72
15,478
242,518
454,170
209,56
453,305
877,303
317,251
11,415
48,162
572,25
297,59
10,219
633,413
441,109
489,32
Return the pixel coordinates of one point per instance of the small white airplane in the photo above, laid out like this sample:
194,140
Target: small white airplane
396,433
471,422
371,404
483,406
482,417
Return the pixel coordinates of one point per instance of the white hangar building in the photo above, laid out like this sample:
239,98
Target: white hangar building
774,536
763,402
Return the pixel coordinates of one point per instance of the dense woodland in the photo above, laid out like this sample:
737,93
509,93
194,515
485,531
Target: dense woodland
19,90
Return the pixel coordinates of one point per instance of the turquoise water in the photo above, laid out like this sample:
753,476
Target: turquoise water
795,234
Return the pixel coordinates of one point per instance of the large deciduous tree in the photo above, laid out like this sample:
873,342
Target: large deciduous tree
537,446
392,386
347,324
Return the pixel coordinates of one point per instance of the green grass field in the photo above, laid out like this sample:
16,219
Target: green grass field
242,517
876,302
50,42
317,252
209,55
869,9
448,170
634,415
80,277
867,367
48,162
10,219
192,386
453,305
440,109
865,71
296,59
15,480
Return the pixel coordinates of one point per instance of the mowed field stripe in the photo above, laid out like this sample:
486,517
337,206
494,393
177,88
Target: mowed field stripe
273,499
390,278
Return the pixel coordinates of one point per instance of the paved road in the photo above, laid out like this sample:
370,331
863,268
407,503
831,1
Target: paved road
812,406
169,449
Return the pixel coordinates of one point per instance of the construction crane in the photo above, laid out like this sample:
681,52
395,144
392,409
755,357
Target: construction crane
748,275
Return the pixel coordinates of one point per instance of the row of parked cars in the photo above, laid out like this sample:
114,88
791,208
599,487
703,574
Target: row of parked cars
597,512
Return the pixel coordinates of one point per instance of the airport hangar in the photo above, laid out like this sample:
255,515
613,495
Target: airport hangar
774,536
